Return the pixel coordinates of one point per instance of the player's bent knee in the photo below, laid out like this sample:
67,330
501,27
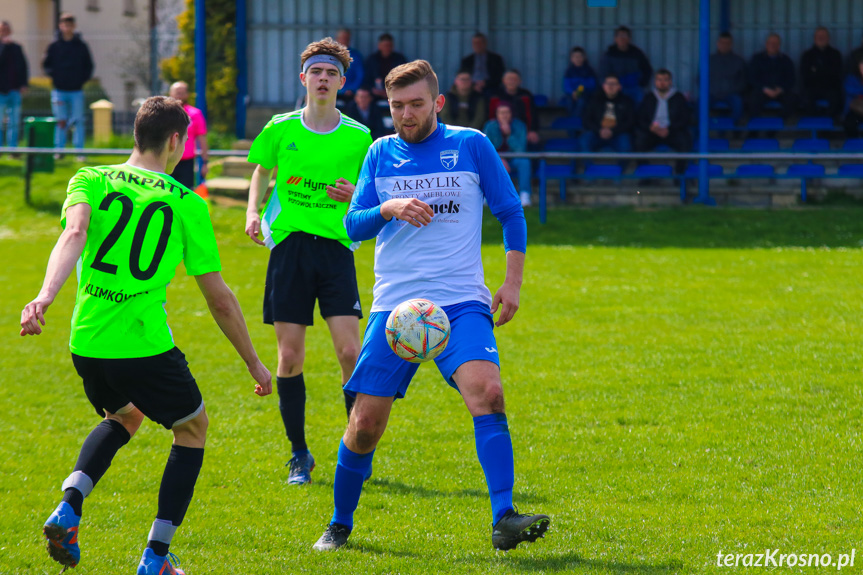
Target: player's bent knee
129,417
192,433
348,354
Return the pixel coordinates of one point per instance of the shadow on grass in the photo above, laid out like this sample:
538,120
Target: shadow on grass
839,225
573,562
378,550
399,488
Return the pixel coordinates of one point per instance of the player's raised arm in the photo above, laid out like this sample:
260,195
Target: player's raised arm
63,258
226,311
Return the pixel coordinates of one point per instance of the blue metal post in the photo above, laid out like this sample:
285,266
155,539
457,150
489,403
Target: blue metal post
242,69
704,104
201,57
725,16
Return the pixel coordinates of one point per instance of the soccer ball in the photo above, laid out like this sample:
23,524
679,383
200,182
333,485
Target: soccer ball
417,330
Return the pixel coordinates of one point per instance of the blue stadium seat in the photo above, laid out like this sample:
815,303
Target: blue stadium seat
653,171
720,105
718,145
540,100
765,124
603,171
722,124
772,105
851,170
760,145
812,145
755,171
853,145
662,148
815,123
806,170
713,171
567,123
561,145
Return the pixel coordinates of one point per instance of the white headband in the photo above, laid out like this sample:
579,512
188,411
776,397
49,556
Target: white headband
324,59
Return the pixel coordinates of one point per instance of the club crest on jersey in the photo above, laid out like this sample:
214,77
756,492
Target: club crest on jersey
449,158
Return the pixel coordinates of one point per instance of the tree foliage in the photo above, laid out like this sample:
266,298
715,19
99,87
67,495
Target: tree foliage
221,60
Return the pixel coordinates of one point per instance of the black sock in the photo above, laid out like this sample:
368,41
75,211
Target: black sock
178,482
292,404
349,403
96,455
158,547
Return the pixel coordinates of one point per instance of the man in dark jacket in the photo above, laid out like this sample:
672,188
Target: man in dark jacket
663,119
853,61
821,72
727,76
608,119
520,100
771,75
69,64
486,68
628,63
362,109
379,64
13,84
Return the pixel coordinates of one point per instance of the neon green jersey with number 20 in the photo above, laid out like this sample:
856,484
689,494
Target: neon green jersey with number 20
142,225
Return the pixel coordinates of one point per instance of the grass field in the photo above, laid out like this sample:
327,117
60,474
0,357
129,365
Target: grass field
679,382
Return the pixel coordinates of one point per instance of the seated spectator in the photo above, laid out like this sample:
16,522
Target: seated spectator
854,59
464,106
363,110
521,102
608,119
509,134
821,72
579,82
663,119
771,75
486,68
379,64
727,77
854,90
355,72
626,62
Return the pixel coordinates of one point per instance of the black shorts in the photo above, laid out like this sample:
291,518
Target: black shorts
304,268
161,386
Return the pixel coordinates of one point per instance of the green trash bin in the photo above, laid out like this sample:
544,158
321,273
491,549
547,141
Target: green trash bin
40,134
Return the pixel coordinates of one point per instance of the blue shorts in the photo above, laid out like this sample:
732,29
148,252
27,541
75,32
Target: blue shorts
381,372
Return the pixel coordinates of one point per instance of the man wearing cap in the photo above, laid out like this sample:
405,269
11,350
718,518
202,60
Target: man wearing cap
318,153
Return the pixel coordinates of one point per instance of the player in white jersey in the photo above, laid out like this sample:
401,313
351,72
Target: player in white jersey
421,193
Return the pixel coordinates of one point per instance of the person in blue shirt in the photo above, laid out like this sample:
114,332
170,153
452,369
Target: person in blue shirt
508,134
420,193
579,82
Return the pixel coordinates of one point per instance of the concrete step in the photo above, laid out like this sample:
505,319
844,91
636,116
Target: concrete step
237,167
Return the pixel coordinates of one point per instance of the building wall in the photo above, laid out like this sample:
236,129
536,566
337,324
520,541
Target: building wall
534,36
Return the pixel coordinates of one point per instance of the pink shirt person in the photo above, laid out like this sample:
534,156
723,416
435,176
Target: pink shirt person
198,127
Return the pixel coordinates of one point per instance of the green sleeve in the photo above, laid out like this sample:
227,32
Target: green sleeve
83,189
200,252
263,150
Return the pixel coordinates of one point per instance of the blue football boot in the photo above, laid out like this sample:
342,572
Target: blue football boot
301,469
152,564
61,531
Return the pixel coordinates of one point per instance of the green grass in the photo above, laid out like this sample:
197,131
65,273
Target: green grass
679,382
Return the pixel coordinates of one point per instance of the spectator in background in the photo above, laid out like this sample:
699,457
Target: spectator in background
854,91
509,134
663,119
727,76
464,106
69,64
354,75
626,62
608,119
486,68
363,110
854,59
520,101
821,72
185,170
771,75
14,77
579,82
379,64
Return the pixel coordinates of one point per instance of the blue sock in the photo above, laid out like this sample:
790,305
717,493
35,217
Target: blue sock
494,449
351,470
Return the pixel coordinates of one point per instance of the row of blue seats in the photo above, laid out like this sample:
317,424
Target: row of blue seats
813,124
750,145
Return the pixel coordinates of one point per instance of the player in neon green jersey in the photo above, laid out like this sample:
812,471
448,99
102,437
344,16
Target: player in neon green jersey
128,227
318,153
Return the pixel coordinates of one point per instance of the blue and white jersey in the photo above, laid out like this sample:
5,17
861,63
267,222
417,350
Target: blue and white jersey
452,171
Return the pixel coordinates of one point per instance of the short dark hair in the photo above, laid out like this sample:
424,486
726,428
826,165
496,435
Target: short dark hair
623,29
512,71
159,118
607,76
386,36
726,35
577,49
480,35
67,17
663,72
411,73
